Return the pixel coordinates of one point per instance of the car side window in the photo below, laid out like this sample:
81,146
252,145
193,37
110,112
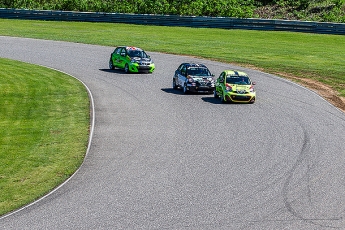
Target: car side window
144,55
117,50
123,52
221,77
183,70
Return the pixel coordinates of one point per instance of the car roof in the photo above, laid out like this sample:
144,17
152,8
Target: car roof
235,73
130,48
194,65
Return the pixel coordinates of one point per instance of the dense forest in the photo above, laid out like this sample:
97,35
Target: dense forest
307,10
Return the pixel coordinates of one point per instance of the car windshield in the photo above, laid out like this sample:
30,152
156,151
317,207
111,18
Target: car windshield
238,80
137,53
197,71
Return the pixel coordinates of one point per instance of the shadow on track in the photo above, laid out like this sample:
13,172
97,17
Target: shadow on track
120,71
180,92
112,70
173,91
212,100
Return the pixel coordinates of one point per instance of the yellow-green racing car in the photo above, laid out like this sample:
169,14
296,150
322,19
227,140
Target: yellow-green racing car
234,86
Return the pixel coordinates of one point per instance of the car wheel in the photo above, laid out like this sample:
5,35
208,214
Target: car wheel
222,99
174,84
126,68
215,95
111,66
185,90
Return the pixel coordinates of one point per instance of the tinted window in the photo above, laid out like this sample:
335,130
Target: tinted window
239,80
123,52
183,69
198,71
221,76
117,50
137,53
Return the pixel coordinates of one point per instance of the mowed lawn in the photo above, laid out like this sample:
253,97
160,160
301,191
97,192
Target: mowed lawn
44,123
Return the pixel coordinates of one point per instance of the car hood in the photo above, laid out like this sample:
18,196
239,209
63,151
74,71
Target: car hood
240,88
138,59
201,79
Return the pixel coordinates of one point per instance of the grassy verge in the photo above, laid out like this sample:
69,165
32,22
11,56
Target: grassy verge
44,121
315,56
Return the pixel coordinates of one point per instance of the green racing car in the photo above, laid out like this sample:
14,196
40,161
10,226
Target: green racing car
234,86
131,60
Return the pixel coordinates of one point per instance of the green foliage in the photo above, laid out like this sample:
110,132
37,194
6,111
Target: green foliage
311,10
334,15
339,3
298,4
225,8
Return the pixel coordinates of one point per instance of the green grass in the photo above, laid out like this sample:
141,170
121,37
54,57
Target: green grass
316,56
44,121
42,111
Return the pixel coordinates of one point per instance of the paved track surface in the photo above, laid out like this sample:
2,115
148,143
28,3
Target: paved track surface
163,160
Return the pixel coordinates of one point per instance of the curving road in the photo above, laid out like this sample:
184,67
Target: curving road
163,160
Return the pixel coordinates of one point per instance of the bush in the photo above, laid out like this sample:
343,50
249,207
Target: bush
214,8
339,3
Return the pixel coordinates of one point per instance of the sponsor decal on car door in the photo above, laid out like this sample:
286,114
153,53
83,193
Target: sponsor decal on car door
122,58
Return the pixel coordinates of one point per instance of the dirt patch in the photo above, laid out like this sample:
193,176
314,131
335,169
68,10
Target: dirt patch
323,90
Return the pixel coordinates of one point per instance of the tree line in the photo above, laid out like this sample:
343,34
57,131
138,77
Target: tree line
214,8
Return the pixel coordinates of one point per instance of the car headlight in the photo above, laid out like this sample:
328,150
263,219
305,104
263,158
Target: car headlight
228,89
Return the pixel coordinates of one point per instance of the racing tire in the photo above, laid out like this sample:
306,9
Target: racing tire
126,68
174,84
185,90
222,99
111,66
215,95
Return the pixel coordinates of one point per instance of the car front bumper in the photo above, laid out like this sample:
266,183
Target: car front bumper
200,88
240,98
136,68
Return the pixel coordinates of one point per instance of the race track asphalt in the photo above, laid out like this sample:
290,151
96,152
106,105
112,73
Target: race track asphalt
160,159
